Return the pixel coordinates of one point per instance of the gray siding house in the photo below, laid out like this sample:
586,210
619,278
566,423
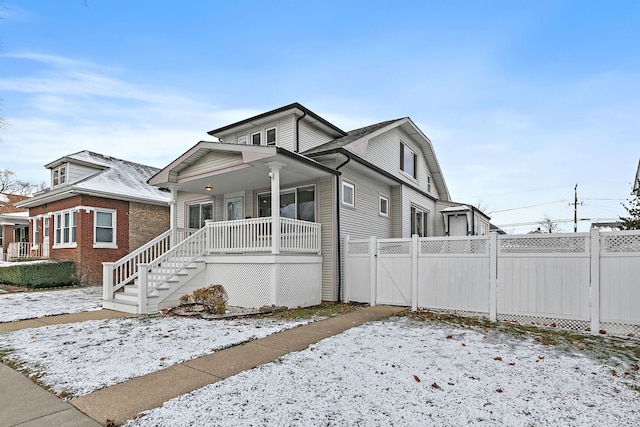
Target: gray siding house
264,209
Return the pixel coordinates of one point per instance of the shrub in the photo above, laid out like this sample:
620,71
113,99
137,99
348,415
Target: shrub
213,298
40,275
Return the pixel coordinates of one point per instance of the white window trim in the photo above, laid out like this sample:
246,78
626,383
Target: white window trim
266,132
380,199
241,137
415,162
70,244
64,166
108,245
293,190
251,138
45,227
36,233
199,202
353,191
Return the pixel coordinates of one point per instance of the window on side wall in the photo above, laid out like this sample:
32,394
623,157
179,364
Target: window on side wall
348,194
384,206
408,160
419,221
242,140
104,228
256,138
36,232
199,213
271,136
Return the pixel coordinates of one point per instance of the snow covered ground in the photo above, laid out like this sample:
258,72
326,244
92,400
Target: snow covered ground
396,372
76,359
406,373
30,305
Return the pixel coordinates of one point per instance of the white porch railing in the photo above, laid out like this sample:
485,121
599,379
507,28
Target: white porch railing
21,250
158,261
254,235
125,270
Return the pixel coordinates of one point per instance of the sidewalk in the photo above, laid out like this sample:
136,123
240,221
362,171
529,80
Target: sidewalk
26,404
124,401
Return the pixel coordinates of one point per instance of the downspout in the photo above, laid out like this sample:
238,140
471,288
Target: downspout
304,113
338,229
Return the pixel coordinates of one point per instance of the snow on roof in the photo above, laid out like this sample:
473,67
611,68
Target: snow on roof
457,208
121,178
4,198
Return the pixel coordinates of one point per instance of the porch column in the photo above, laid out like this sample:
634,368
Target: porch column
275,205
173,217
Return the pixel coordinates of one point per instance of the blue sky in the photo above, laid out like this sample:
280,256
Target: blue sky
522,100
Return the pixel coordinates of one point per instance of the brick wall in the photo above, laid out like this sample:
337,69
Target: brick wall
136,224
146,223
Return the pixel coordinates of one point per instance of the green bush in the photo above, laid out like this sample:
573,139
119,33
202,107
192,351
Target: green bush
40,274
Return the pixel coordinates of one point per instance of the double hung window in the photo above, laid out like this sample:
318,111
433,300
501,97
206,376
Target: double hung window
65,226
104,227
408,160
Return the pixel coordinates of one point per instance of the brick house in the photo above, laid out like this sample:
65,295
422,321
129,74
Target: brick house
98,209
14,222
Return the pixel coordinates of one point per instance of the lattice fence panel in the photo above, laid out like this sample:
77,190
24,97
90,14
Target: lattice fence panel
394,248
543,245
570,324
358,248
462,313
246,285
620,329
621,243
450,246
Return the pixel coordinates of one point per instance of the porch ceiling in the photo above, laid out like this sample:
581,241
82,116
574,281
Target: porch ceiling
250,172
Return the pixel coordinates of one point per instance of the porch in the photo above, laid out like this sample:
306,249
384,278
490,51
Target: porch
259,261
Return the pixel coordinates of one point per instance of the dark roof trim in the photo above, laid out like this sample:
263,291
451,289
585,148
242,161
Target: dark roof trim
276,111
375,168
307,160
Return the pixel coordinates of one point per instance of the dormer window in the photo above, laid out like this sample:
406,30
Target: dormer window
59,176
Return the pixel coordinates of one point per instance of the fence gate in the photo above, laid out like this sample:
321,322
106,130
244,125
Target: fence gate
393,272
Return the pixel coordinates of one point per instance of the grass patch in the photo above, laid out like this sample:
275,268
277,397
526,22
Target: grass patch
322,310
621,354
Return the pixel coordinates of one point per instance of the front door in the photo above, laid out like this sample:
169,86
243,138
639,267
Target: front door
234,209
45,238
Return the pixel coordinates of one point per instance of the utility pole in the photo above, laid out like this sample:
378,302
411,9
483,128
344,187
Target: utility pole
575,209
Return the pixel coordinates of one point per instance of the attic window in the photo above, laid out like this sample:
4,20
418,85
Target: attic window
59,176
408,160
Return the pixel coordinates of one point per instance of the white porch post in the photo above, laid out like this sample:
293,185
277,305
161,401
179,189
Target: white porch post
173,217
107,280
275,205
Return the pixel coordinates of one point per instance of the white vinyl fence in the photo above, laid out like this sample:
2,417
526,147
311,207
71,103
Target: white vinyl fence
580,281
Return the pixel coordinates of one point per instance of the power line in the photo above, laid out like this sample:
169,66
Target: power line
530,206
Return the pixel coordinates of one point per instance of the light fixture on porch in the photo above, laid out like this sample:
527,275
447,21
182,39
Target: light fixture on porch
208,188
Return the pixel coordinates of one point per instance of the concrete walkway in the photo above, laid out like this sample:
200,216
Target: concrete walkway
124,401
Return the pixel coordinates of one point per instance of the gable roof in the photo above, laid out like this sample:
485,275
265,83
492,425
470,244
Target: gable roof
348,145
113,179
295,108
351,136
